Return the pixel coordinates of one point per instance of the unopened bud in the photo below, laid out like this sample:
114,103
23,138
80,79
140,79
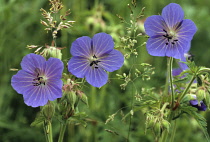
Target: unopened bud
52,52
48,110
166,125
157,129
71,98
201,94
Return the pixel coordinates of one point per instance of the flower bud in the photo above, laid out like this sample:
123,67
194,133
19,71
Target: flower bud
82,96
166,125
52,52
201,94
157,129
71,98
48,110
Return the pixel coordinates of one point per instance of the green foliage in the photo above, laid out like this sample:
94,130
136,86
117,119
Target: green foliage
199,118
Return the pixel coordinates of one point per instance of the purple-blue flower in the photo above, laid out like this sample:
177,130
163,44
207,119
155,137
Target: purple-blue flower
39,80
93,57
169,33
200,106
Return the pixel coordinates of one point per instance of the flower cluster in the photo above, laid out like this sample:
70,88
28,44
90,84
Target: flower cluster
40,81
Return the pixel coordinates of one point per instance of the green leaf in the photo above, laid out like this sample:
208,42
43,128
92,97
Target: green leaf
199,118
38,120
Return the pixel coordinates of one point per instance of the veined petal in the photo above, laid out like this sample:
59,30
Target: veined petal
54,89
22,80
35,96
172,14
31,62
39,95
81,47
102,44
96,77
187,30
78,66
53,68
155,25
178,49
112,61
156,46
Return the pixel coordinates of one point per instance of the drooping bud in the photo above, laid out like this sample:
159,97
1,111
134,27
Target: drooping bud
82,96
48,110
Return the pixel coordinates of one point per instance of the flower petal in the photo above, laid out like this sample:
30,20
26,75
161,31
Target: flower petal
53,68
21,81
96,77
172,14
54,89
102,44
156,46
81,47
194,102
187,30
154,25
35,96
78,66
176,50
39,95
31,62
112,61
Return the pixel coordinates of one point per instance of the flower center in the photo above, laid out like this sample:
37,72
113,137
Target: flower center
39,80
171,37
94,62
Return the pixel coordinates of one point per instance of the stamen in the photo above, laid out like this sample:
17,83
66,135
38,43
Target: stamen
38,80
94,62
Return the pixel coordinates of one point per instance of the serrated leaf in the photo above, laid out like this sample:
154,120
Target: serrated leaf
199,118
38,120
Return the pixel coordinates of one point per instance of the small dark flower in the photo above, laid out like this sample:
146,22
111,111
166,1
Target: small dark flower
93,57
169,33
39,80
200,106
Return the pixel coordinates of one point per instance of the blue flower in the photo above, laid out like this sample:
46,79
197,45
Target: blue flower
169,33
39,80
93,57
200,106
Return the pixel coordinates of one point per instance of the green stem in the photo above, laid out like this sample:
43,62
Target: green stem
48,131
187,88
167,79
171,81
173,131
62,131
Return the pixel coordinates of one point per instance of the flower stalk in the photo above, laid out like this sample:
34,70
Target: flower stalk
48,131
62,131
171,81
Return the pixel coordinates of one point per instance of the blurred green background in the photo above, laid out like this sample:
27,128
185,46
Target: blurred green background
20,26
